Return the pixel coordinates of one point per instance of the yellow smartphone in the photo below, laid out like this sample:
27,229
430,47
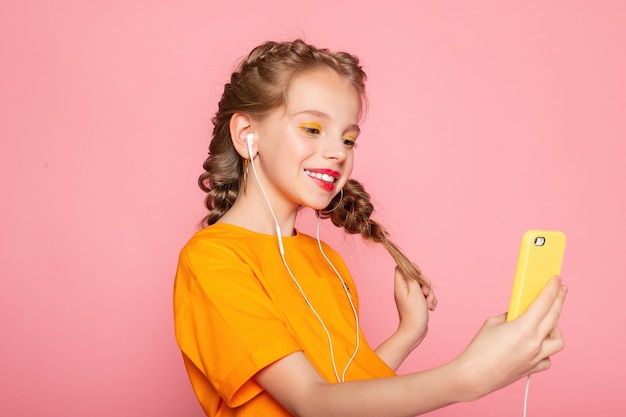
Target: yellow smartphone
540,258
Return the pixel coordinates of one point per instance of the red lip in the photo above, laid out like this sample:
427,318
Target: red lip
327,186
330,172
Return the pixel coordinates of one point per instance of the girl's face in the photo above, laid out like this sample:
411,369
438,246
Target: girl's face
305,148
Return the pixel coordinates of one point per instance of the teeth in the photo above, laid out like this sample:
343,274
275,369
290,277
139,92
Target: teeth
323,177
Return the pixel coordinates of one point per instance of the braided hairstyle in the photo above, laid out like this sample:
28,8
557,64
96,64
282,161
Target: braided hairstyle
256,87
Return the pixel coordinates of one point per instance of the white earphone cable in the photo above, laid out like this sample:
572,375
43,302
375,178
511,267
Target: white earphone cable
267,200
306,299
526,394
347,290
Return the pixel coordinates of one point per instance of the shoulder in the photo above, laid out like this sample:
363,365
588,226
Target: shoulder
214,247
224,247
221,239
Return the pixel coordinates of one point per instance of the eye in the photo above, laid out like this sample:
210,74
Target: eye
349,141
310,129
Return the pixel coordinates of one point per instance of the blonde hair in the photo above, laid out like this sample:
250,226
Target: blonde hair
256,87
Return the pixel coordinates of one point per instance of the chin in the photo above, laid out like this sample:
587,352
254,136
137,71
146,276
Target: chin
317,206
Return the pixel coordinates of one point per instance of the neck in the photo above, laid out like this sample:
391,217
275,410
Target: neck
252,212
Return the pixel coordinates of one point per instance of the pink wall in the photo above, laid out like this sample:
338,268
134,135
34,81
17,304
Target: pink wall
492,117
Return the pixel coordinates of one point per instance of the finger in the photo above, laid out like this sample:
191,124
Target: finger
426,286
553,344
425,282
412,286
398,278
541,366
431,300
400,284
555,334
544,301
495,320
426,290
548,323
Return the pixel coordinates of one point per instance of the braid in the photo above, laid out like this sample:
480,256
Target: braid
353,212
259,85
256,87
220,179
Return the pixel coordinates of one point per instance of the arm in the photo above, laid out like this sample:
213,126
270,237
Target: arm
298,387
500,353
413,303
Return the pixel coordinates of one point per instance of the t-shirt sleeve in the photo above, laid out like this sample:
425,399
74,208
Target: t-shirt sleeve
226,324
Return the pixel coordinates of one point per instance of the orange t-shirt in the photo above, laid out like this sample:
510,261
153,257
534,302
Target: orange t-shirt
237,310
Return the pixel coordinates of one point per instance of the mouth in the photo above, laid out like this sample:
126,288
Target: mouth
327,176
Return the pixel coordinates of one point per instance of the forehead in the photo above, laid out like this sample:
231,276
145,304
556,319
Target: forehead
325,91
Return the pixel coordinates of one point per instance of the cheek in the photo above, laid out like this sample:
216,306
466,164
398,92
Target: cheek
304,146
301,150
349,164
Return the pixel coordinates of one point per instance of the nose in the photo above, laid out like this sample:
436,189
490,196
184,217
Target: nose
335,149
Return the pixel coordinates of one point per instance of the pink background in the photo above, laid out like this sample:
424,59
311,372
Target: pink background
487,118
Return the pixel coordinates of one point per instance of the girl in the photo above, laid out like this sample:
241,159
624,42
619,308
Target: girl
267,317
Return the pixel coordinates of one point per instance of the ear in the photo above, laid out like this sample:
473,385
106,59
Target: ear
240,127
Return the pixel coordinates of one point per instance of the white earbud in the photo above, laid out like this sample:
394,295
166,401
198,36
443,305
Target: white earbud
250,142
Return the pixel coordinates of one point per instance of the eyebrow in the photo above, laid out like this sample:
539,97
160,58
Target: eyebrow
323,115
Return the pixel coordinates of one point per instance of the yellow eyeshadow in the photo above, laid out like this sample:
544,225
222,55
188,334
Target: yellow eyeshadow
311,125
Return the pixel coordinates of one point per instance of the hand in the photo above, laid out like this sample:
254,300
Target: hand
502,352
413,302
